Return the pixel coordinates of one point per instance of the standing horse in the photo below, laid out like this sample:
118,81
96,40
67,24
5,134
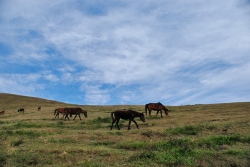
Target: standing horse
157,107
74,111
58,111
1,112
21,110
127,115
39,108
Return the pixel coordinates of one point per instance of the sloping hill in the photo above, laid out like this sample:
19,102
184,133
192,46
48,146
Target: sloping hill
12,101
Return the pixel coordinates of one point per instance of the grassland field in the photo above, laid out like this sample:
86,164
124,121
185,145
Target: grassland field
192,135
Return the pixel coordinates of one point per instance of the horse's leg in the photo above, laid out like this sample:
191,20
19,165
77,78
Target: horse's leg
57,114
129,124
117,123
66,116
149,111
157,112
75,117
161,113
80,116
135,123
112,124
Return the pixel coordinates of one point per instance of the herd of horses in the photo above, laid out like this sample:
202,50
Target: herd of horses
70,111
129,115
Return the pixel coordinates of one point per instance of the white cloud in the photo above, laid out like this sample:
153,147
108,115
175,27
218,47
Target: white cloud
94,95
176,52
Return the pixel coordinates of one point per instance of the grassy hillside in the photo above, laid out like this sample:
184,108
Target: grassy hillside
195,135
11,101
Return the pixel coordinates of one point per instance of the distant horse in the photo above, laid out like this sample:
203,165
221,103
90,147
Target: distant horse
74,111
157,107
59,110
21,110
127,115
39,108
1,112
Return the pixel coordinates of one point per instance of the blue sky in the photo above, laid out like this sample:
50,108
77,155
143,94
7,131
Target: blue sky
126,52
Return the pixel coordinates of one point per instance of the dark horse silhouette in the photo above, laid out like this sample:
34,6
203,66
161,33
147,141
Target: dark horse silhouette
74,111
1,112
157,107
39,108
127,115
21,110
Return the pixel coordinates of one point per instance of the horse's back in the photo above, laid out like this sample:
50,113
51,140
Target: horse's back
74,110
124,114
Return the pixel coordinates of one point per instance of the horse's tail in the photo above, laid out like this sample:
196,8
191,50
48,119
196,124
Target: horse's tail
55,111
112,116
146,109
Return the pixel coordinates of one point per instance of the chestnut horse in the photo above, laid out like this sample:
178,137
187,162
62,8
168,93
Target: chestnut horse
157,107
1,112
127,115
59,110
39,108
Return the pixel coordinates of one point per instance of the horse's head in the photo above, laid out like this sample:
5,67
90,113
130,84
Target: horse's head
85,113
166,111
142,117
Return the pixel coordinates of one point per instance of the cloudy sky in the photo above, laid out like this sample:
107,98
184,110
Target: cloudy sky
126,52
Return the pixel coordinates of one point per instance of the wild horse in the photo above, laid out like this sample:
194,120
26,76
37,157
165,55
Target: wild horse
157,107
21,110
58,111
126,115
74,111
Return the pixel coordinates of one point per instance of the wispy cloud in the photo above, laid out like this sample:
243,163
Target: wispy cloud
131,52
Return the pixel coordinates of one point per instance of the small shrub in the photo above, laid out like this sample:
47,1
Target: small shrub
26,125
215,141
131,145
3,157
234,152
22,133
92,164
187,130
102,120
25,158
17,143
60,123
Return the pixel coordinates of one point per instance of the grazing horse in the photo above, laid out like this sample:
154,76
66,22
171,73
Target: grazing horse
1,112
127,115
39,108
155,106
59,110
21,110
74,111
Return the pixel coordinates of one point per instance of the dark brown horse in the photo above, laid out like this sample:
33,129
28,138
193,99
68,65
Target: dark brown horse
127,115
74,111
1,112
21,110
157,107
39,108
58,111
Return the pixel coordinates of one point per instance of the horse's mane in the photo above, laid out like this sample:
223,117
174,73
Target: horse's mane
160,103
